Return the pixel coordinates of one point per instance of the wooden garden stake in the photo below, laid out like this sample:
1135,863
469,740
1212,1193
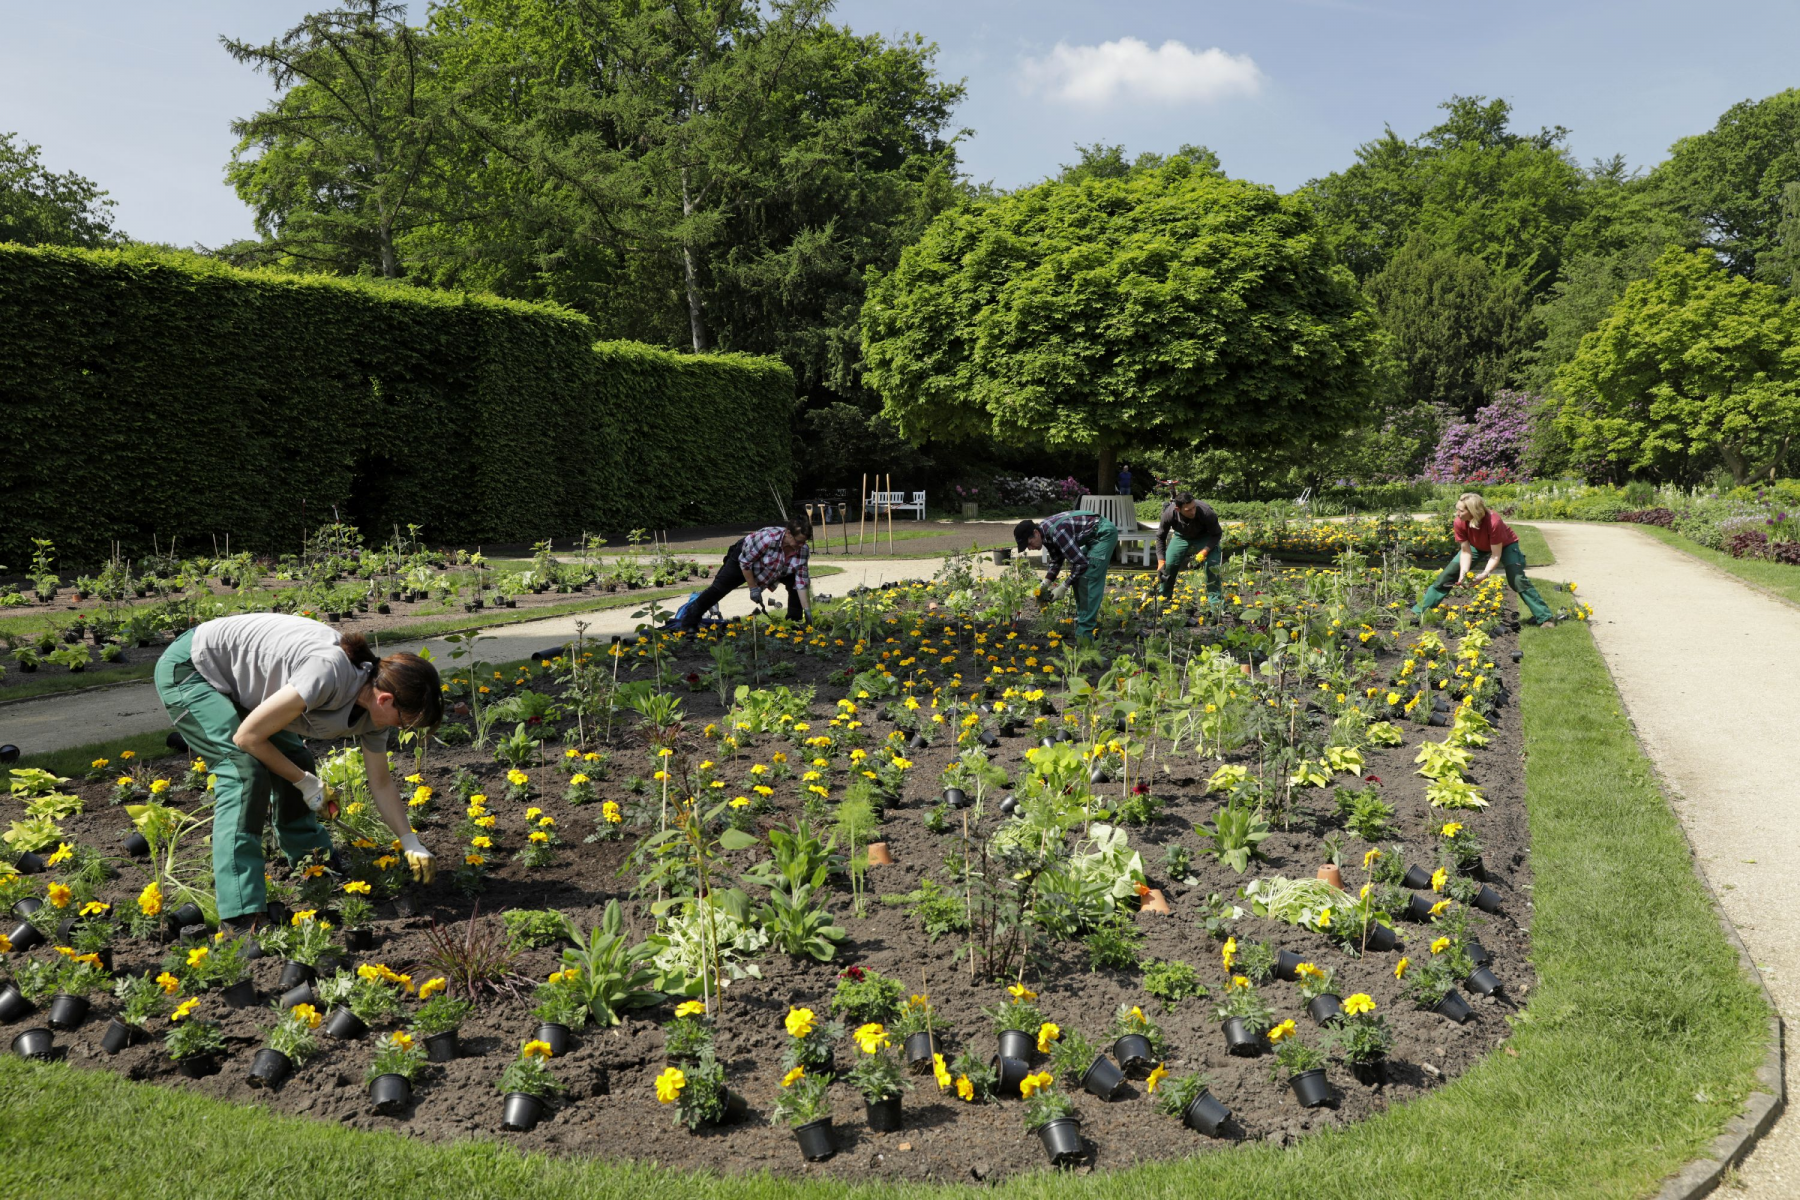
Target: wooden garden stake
862,511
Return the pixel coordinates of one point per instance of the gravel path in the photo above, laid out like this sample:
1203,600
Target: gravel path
1705,666
103,714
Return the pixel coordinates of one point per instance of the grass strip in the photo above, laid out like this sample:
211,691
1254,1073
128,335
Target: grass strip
74,681
1535,548
1639,1043
1779,580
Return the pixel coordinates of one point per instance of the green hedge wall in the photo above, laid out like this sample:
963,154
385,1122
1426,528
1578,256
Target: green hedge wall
147,393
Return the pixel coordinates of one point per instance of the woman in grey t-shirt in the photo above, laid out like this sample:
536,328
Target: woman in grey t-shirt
243,691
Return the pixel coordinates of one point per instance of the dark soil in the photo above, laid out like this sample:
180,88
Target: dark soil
610,1110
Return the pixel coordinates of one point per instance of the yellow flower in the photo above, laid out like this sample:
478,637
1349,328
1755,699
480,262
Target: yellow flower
1283,1030
158,786
357,887
800,1022
309,1016
1156,1076
1240,981
473,860
1440,945
1438,878
964,1088
1035,1083
486,822
940,1072
1019,991
1047,1033
535,1049
303,916
1307,970
794,1076
690,1008
1324,921
432,987
517,777
59,895
168,983
610,811
871,1037
539,836
1358,1004
100,764
196,956
1229,953
63,851
1451,828
1437,910
1369,858
400,1040
127,754
577,779
184,1008
1400,967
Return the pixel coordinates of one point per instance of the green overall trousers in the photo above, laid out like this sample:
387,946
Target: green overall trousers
1512,562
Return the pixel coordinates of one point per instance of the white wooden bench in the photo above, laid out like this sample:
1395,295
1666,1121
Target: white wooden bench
1138,548
881,502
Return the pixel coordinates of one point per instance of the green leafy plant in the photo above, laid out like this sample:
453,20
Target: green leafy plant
140,1000
1256,961
799,924
975,1079
440,1014
1115,941
1172,981
1019,1012
876,1072
1174,1096
396,1054
805,1100
703,1094
193,1038
686,1036
810,1048
1235,835
864,995
1128,1019
613,974
1071,1054
1365,813
1044,1105
1294,1056
530,1074
939,910
295,1034
1244,1003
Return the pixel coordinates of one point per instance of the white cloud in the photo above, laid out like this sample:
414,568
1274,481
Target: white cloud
1128,68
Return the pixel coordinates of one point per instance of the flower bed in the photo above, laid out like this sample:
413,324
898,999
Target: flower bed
1218,792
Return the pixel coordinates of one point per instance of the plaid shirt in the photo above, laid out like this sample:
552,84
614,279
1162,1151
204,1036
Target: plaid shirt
1066,537
764,557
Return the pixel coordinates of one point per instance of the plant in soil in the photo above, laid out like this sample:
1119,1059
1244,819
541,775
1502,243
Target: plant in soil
1314,981
190,1037
1130,1019
1293,1055
533,928
1242,1002
1430,981
1071,1055
609,973
1172,981
396,1053
476,958
559,1000
1363,1036
864,995
876,1073
1256,962
369,996
140,1000
1364,812
530,1073
1019,1011
1234,835
441,1012
688,1034
1174,1096
915,1015
82,975
974,1077
803,1099
295,1033
696,1089
1044,1103
809,1039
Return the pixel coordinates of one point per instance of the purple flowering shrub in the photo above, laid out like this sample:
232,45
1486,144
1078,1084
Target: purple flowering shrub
1489,449
1648,516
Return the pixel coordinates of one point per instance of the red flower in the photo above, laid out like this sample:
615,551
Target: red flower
855,973
1372,778
693,677
1138,789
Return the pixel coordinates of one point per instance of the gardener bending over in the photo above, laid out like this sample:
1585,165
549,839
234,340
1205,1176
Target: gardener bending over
1189,527
1083,540
777,554
1479,528
243,691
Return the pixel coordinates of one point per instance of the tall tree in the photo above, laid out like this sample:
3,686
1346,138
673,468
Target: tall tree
1733,178
1693,361
40,207
337,168
1168,306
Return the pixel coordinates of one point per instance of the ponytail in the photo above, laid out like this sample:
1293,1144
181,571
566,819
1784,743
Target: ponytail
414,682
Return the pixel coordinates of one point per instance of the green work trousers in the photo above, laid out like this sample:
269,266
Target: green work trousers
1512,561
208,719
1180,551
1089,578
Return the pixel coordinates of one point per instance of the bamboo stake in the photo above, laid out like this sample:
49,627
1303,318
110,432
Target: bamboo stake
862,511
890,494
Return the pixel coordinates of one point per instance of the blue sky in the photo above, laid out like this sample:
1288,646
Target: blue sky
138,95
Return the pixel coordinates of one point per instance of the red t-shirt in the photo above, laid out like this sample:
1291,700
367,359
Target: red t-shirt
1491,532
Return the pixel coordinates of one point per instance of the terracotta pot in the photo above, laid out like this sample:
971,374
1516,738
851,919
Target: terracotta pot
1153,901
1330,874
879,855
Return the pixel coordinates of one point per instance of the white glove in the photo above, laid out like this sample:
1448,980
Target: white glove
319,798
1062,589
418,857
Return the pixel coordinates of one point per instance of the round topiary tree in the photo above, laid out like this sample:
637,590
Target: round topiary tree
1166,308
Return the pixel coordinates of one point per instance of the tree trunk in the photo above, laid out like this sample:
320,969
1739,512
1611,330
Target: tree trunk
1734,462
696,320
1109,461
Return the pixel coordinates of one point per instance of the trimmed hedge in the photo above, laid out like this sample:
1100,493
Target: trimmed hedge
148,393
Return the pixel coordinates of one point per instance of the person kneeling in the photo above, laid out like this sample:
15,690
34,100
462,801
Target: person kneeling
776,554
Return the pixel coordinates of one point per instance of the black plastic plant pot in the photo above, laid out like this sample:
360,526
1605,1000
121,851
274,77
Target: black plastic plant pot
1418,907
1097,775
736,1107
917,741
31,864
25,936
1417,878
1324,1009
300,993
68,1012
522,1112
1009,1073
1009,806
884,1115
241,994
293,974
359,939
1439,719
1381,939
13,1003
1518,655
1481,981
1370,1073
198,1066
987,739
1487,899
345,1025
390,1094
1046,743
251,951
1310,1088
27,906
1454,1007
1103,1078
269,1068
1239,1040
1017,1044
1062,1140
817,1141
34,1043
1478,954
556,1035
1287,965
919,1049
955,798
187,914
119,1035
1206,1115
1135,1054
442,1047
9,754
